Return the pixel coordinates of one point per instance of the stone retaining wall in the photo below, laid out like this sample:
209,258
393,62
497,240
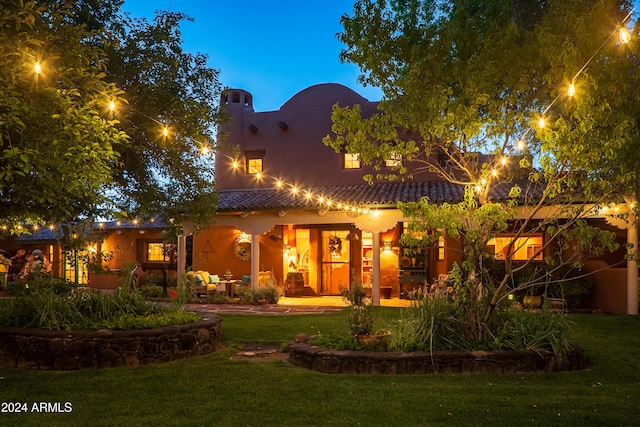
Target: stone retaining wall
447,362
64,350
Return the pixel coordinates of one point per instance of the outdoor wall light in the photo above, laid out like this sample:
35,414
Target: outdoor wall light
387,246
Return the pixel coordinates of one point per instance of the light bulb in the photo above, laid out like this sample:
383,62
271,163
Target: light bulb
112,106
572,90
37,67
541,123
165,131
624,35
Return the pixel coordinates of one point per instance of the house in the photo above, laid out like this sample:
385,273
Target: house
112,245
292,206
293,209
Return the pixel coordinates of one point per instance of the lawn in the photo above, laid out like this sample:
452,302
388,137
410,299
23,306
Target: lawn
216,390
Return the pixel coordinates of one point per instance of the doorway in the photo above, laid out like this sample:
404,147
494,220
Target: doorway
336,261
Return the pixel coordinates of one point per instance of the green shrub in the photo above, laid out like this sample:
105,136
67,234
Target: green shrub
527,330
42,307
151,291
346,342
15,288
268,291
429,324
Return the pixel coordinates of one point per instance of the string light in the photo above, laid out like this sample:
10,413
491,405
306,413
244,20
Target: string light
624,35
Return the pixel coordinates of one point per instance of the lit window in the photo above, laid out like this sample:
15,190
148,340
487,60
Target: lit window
254,166
156,252
254,161
351,161
440,248
524,248
395,159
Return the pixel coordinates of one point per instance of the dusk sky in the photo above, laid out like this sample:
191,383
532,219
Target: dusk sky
273,49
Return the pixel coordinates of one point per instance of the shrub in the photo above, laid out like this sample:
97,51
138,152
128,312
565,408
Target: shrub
42,307
268,291
151,291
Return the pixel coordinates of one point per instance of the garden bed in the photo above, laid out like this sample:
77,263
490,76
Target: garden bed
41,349
331,361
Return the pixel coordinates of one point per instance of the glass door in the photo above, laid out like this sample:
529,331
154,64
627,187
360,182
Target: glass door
336,261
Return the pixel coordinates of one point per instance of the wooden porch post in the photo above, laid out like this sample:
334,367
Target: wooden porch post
375,289
255,260
181,256
632,267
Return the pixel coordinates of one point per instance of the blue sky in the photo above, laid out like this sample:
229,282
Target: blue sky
273,49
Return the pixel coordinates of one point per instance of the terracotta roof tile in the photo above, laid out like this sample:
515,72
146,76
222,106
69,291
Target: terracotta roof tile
376,194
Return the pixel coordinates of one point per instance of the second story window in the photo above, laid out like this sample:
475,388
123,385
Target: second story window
255,161
351,161
395,159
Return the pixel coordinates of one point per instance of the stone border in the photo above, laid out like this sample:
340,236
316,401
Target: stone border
41,349
442,361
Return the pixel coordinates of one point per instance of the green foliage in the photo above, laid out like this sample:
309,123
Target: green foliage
525,330
430,324
151,291
57,145
347,342
64,154
45,305
434,323
269,292
469,121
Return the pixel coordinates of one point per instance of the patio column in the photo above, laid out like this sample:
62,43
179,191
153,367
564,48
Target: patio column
181,256
375,288
632,267
255,260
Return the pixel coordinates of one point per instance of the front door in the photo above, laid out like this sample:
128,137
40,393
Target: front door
336,261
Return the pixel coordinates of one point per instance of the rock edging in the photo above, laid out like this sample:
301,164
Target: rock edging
332,361
41,349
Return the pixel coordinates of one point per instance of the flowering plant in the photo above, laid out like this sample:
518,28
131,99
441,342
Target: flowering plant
361,319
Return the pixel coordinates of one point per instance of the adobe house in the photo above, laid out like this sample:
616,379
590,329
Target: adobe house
293,206
124,243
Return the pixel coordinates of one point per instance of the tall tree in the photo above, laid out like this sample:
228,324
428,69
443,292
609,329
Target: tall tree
57,143
465,84
170,174
86,136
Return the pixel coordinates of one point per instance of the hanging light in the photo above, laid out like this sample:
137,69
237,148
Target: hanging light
571,90
624,35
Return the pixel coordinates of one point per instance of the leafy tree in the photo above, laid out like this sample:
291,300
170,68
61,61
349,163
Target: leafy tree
164,87
57,146
66,153
464,83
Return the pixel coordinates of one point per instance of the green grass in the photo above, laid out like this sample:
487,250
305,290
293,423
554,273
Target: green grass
215,390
